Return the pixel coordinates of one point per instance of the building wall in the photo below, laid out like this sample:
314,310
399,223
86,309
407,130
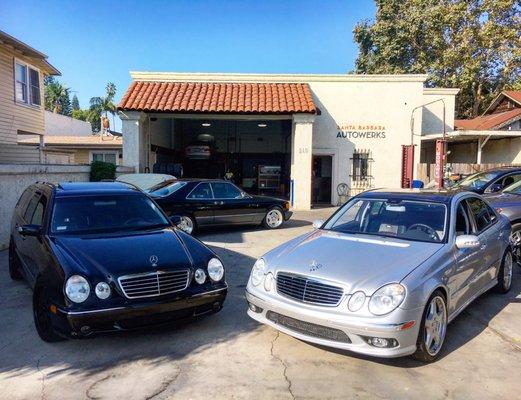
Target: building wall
432,114
358,108
61,125
16,117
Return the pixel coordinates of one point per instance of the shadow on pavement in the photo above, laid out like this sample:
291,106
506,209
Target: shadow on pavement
22,351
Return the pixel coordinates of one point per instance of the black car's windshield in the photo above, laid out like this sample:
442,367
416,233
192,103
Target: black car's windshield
166,188
410,220
478,181
105,213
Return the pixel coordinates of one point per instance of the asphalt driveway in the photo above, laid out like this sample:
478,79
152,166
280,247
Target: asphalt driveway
228,355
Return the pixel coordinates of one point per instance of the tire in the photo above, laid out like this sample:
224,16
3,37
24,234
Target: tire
187,224
14,263
515,240
504,276
434,324
274,218
42,319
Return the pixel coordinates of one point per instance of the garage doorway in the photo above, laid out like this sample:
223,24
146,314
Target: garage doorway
321,178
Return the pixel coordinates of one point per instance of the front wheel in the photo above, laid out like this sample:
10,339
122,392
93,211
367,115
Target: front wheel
433,329
274,218
42,318
186,224
504,276
515,240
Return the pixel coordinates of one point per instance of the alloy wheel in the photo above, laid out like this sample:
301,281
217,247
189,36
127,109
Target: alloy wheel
507,271
274,218
435,325
186,224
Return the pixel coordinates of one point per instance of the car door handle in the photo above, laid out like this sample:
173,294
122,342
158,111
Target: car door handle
483,247
218,203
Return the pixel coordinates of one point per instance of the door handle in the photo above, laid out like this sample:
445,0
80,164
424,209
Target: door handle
219,203
483,247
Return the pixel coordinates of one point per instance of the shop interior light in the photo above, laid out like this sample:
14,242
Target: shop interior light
206,124
262,125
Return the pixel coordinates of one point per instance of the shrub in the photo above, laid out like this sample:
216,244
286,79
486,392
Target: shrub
100,170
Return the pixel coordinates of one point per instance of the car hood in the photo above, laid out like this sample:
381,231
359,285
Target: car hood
113,256
357,262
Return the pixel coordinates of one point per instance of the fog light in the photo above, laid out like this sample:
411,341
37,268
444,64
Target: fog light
381,342
102,290
200,276
254,308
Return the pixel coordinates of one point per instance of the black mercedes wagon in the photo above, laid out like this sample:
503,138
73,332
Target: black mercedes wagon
104,257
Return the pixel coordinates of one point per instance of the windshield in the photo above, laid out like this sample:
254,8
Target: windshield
105,213
410,220
478,181
166,188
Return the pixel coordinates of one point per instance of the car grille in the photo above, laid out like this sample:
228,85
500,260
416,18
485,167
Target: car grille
308,290
154,283
307,328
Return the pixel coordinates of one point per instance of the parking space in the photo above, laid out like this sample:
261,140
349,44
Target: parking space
228,355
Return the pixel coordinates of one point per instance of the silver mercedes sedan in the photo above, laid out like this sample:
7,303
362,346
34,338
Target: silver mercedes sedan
386,273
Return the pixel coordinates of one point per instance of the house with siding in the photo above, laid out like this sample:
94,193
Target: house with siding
22,71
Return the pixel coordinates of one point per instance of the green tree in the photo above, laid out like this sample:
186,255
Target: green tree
57,97
474,45
103,106
75,103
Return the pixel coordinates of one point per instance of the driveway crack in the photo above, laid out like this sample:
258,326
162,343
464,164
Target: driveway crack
164,385
42,379
93,385
284,365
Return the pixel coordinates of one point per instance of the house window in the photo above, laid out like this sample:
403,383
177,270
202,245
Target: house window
360,167
27,84
103,156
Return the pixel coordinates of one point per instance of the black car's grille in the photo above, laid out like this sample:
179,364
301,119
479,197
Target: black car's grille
154,283
307,328
308,290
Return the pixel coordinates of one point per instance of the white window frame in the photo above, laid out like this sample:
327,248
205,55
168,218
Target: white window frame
92,152
28,91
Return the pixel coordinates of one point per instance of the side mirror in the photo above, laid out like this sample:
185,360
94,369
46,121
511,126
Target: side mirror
495,187
317,224
467,242
175,219
29,230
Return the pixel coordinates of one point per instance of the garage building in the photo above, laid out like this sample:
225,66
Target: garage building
304,137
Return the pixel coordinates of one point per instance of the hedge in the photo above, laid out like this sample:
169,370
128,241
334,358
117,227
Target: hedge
100,170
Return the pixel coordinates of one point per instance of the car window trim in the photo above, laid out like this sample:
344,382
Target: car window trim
200,183
464,206
476,233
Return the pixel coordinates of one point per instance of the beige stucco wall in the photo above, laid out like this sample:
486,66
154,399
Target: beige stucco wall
386,103
16,117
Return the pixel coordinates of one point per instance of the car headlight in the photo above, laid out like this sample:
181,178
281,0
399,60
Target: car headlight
200,276
356,301
77,288
386,299
257,272
102,290
215,269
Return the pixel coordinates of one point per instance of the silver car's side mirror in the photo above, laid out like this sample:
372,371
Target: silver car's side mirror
467,242
318,223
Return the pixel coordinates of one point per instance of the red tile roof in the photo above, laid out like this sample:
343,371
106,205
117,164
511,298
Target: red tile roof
514,95
201,97
488,122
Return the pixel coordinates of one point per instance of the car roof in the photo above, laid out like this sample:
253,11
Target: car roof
197,180
504,169
89,188
435,195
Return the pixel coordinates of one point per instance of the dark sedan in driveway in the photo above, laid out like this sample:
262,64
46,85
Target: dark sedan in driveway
104,257
490,181
210,202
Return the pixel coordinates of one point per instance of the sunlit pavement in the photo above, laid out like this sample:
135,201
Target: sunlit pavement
228,355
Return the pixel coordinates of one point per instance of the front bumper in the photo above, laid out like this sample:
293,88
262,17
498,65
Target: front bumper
357,329
128,317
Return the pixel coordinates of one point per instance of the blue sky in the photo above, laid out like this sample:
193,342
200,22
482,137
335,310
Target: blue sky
94,42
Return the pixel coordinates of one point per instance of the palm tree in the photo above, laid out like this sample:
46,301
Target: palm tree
104,105
57,97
